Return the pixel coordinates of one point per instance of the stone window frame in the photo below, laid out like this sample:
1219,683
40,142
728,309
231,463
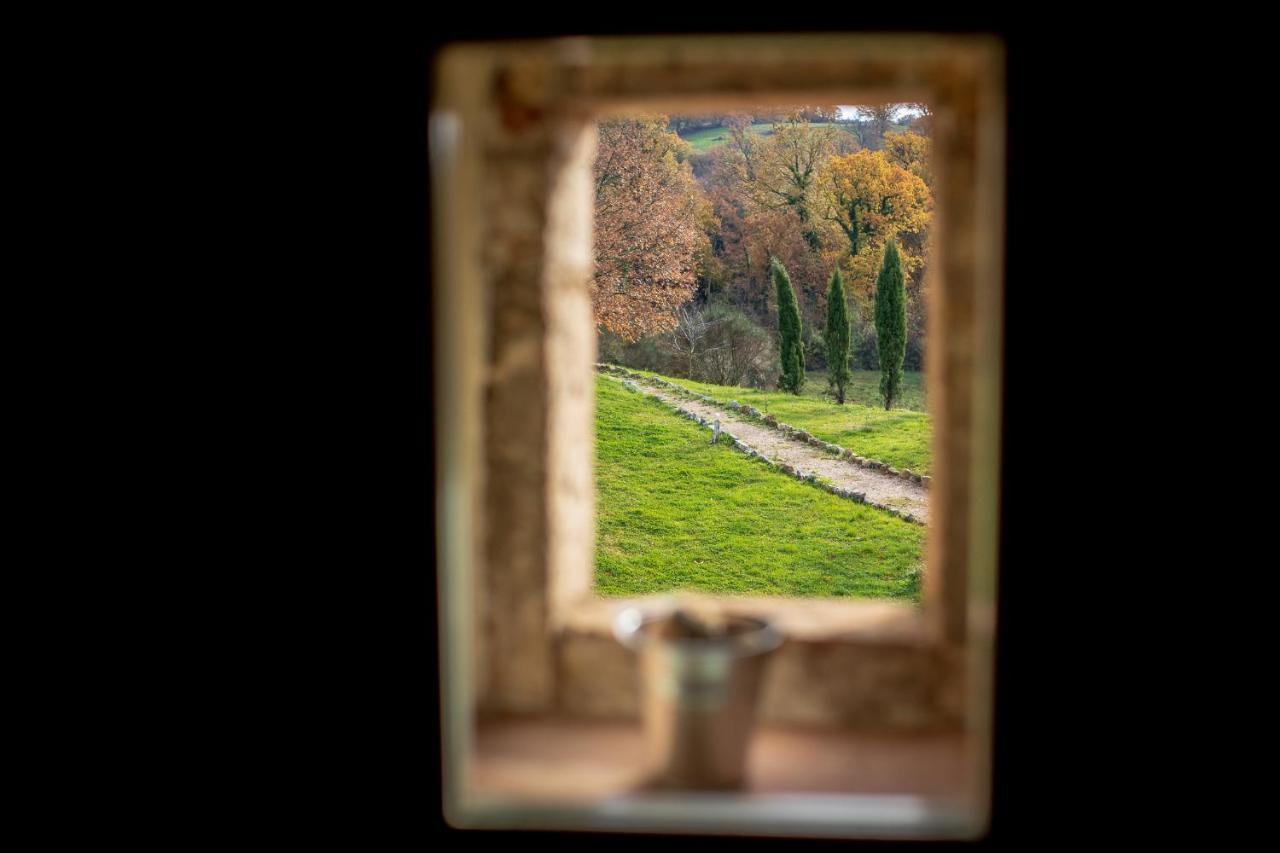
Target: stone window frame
512,137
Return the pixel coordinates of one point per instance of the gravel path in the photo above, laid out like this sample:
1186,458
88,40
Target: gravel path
878,487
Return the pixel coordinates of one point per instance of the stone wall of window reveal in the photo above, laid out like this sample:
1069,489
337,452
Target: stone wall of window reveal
515,349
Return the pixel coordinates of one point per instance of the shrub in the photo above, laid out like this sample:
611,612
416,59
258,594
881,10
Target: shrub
815,351
645,354
864,348
738,351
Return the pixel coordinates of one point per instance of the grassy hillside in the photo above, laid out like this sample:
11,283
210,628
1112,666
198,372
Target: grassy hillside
900,437
676,513
864,388
707,138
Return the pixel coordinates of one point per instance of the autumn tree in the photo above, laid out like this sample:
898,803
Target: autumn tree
871,199
923,121
649,233
837,336
770,188
789,164
780,234
689,336
820,113
778,196
880,117
845,143
694,122
768,115
744,286
789,345
765,193
910,151
891,324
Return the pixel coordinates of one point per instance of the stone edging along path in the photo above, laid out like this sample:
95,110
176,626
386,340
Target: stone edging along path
773,423
870,486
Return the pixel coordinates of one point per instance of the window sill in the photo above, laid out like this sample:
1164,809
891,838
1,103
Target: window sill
554,772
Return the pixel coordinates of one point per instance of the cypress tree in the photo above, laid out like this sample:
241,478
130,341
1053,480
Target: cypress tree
837,335
789,346
891,323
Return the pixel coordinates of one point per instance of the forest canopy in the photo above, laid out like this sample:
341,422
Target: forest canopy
691,212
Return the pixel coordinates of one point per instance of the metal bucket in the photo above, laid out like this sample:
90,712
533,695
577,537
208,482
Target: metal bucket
698,697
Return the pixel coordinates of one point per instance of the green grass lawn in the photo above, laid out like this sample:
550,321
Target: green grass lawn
864,388
706,138
900,437
676,513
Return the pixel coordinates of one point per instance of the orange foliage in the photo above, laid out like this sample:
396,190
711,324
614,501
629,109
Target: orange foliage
910,151
649,236
871,199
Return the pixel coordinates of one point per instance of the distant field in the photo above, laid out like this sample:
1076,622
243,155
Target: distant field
707,138
675,512
901,437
